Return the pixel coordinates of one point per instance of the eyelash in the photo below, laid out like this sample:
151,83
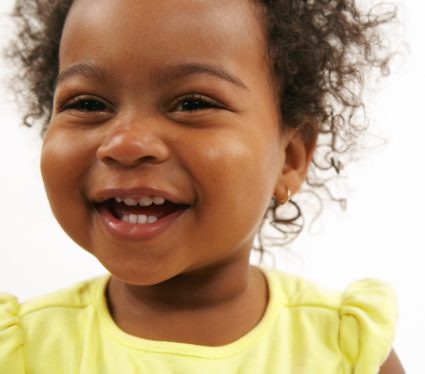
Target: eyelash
83,104
91,105
202,102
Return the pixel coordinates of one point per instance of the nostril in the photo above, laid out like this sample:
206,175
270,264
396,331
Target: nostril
128,161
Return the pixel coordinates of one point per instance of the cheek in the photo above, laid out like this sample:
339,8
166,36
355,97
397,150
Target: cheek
236,174
63,164
60,161
236,191
66,156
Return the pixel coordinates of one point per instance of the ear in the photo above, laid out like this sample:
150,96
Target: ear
298,146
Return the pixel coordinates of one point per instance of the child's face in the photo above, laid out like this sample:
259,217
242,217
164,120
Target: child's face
170,99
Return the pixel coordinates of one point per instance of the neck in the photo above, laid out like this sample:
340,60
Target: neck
185,307
201,288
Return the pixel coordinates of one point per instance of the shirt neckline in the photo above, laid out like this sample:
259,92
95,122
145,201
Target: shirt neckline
108,325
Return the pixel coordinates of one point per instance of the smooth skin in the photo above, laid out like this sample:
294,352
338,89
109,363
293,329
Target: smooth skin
176,96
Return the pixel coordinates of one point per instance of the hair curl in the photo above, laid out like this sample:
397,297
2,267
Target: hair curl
321,52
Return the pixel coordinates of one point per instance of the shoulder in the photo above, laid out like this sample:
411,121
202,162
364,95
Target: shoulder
368,318
358,321
77,296
23,326
366,299
11,336
294,291
64,313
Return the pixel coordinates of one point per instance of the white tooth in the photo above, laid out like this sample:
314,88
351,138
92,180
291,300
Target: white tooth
158,200
133,218
118,200
145,201
141,218
125,218
152,219
130,202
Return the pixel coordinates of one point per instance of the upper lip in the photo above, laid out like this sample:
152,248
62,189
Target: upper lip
135,193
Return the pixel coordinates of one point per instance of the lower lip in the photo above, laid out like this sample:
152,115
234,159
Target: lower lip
128,231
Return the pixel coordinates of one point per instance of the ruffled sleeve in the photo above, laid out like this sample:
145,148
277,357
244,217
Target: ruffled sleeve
368,315
11,336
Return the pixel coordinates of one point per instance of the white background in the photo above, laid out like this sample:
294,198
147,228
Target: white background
380,235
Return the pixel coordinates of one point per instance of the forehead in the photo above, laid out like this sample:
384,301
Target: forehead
225,31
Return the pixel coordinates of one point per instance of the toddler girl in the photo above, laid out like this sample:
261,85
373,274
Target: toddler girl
171,131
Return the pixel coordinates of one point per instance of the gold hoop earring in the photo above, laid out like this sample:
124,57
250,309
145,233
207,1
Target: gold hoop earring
288,197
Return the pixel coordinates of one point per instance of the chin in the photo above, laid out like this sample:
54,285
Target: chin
140,273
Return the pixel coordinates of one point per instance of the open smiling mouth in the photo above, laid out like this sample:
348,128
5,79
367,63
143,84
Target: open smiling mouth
143,211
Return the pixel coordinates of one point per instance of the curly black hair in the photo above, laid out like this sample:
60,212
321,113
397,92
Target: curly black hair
320,51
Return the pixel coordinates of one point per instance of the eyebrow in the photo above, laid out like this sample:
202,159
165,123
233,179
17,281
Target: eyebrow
175,72
86,69
170,73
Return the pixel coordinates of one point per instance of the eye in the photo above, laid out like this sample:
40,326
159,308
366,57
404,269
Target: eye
85,104
192,103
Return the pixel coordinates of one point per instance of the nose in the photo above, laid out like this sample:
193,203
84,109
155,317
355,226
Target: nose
132,144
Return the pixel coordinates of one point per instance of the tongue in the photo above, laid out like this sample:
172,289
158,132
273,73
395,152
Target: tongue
159,211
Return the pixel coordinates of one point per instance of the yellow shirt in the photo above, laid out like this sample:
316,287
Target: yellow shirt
305,329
